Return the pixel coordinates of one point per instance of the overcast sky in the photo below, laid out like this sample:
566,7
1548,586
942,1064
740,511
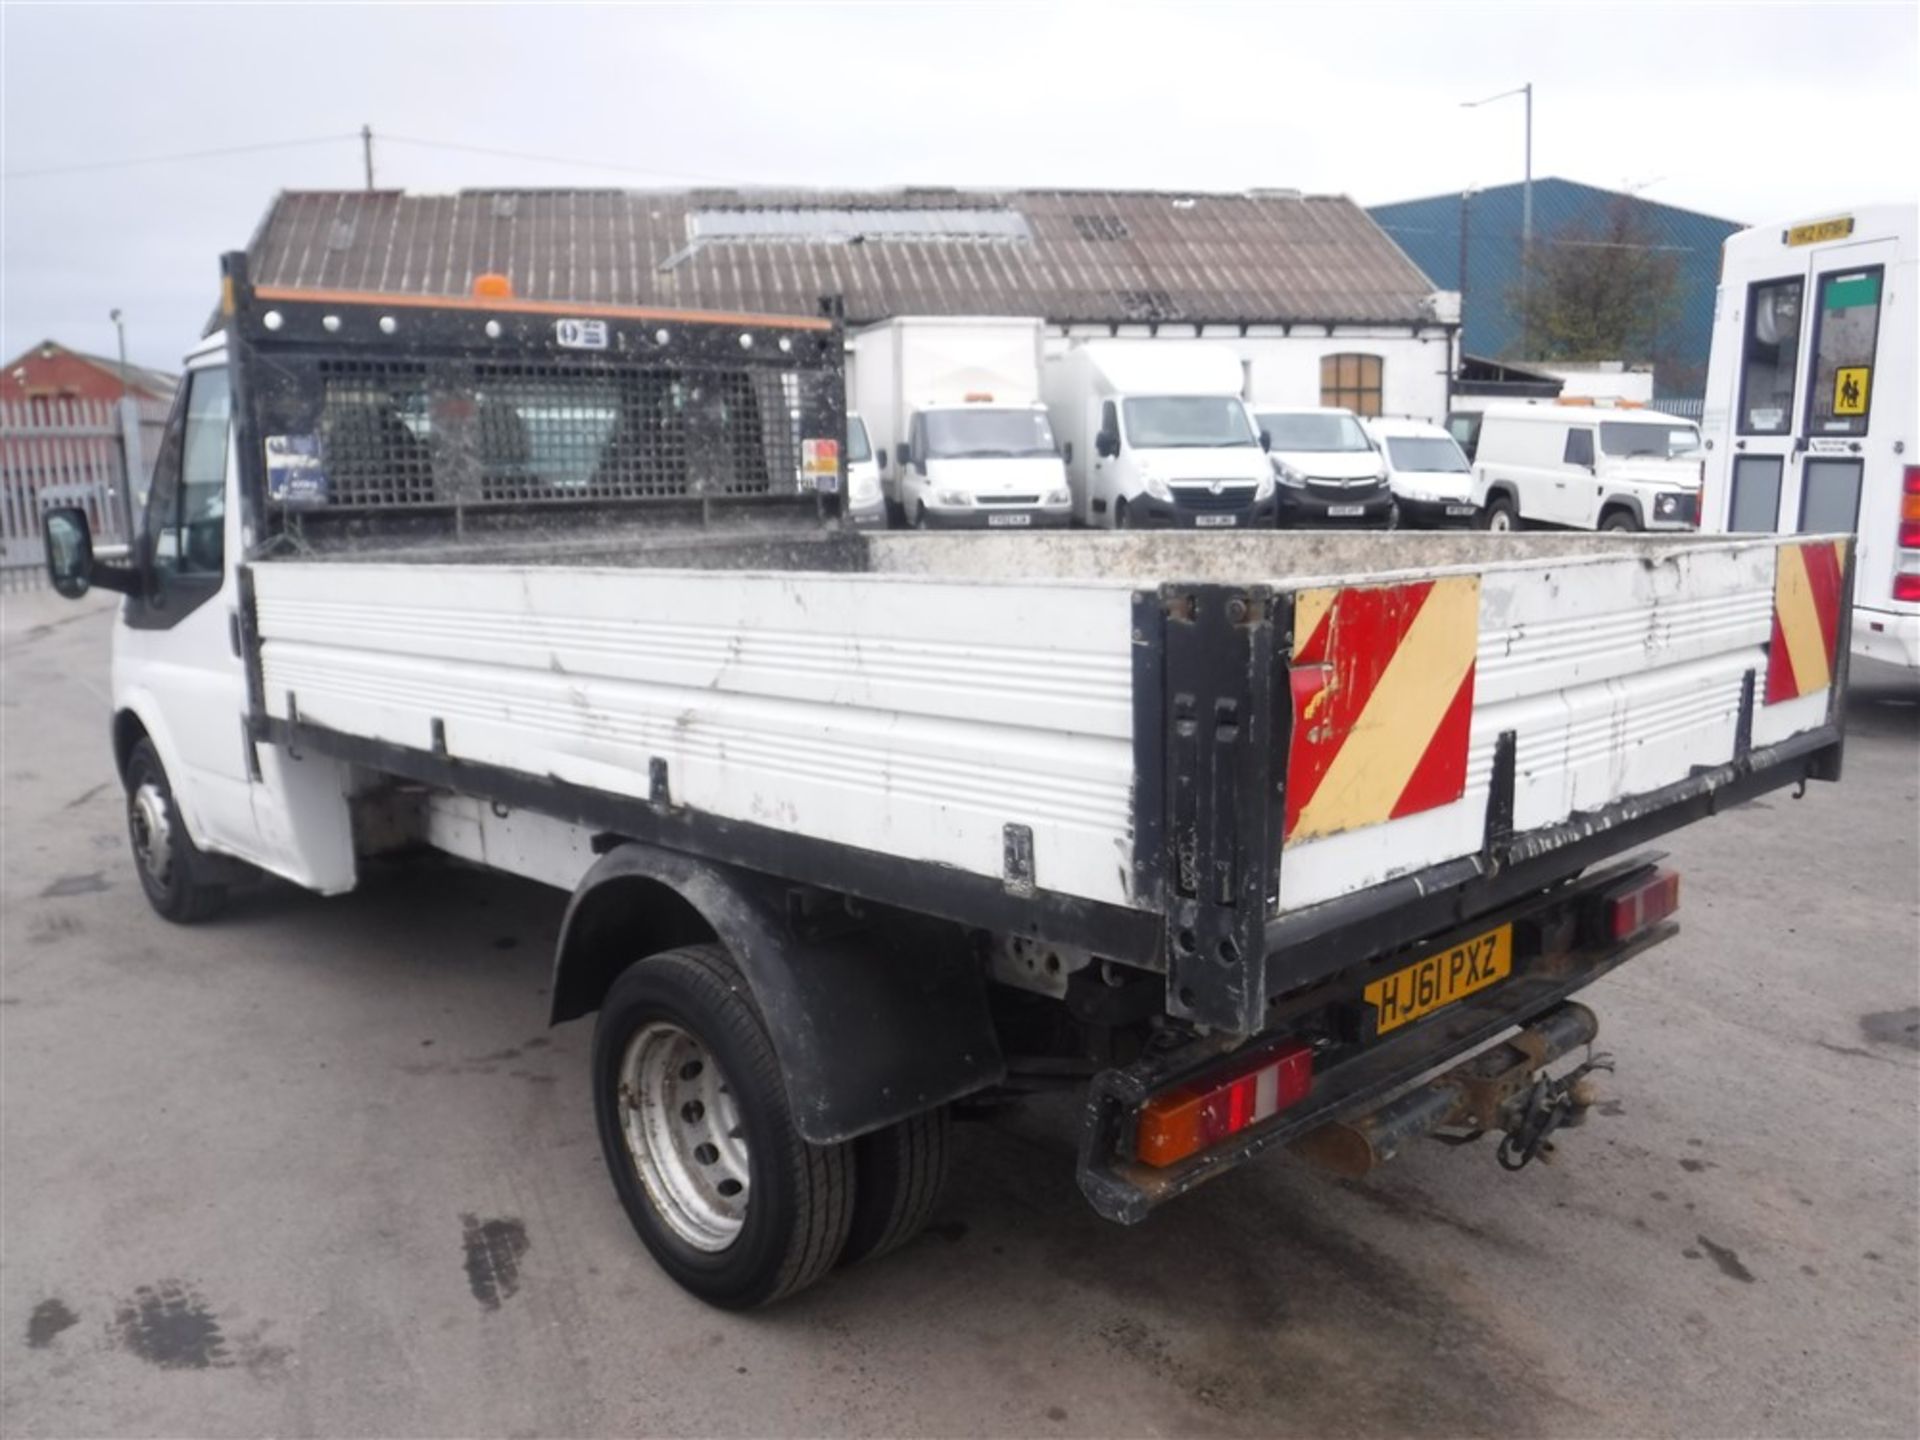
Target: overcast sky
1750,111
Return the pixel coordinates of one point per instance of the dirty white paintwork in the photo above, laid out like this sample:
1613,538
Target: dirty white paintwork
918,715
916,718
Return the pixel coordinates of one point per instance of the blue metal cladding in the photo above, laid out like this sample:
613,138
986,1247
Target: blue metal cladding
1429,231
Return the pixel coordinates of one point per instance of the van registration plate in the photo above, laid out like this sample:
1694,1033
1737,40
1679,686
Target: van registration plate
1017,518
1346,509
1440,979
1214,522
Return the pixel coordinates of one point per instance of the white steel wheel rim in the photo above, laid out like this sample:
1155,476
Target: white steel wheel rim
152,831
682,1127
1500,520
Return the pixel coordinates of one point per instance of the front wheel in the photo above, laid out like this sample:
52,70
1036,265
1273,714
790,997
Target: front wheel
699,1139
173,870
1620,520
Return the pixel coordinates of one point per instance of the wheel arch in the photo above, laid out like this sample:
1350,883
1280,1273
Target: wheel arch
1614,504
870,1025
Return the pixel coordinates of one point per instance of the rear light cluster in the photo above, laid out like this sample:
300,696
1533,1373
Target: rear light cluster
1906,579
1643,905
1183,1122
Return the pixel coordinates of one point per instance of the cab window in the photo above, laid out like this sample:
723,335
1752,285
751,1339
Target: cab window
1579,448
186,513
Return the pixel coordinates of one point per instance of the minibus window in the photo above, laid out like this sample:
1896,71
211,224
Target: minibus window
1770,357
1846,329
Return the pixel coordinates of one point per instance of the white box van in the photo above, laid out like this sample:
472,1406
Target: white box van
1431,480
1326,469
865,504
953,402
1156,433
1587,468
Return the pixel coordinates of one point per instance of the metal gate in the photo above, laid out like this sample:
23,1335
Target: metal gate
63,451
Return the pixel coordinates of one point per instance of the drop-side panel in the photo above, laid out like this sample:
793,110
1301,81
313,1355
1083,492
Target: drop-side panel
917,718
1616,676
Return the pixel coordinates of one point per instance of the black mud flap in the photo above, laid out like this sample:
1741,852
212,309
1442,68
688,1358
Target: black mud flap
871,1024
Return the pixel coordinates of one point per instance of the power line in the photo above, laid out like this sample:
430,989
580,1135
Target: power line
389,139
182,155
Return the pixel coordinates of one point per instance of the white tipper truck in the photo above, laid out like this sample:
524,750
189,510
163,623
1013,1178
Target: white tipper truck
1253,840
952,404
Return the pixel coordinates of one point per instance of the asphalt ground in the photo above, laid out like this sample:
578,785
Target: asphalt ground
320,1168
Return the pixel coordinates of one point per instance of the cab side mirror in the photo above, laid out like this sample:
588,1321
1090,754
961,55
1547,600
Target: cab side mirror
1106,444
69,546
903,454
1066,453
68,540
1266,440
880,459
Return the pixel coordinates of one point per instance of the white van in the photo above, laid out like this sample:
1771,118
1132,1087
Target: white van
954,402
1326,468
1155,433
866,506
1431,480
1813,398
1587,468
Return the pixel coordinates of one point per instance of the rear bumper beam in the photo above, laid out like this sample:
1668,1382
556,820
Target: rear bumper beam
1123,1189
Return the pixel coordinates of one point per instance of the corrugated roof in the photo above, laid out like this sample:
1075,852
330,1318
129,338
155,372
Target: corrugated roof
1428,229
1097,256
160,384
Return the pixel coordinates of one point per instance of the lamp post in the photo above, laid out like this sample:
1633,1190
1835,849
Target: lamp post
129,425
1526,212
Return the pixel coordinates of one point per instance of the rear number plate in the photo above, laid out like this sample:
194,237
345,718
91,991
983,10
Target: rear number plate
1020,519
1346,509
1459,510
1442,978
1206,522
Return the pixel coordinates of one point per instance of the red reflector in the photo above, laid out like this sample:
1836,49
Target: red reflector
1644,905
1910,534
1906,586
1182,1122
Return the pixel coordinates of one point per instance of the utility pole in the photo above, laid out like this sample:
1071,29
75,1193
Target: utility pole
366,152
1526,215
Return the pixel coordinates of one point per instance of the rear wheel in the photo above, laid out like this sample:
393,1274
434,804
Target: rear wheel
699,1139
1499,515
173,870
900,1172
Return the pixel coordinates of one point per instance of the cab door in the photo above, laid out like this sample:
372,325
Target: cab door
176,652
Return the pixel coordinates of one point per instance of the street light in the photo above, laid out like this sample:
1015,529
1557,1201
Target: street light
1526,209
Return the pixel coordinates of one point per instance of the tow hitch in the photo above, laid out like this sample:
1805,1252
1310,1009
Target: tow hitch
1504,1088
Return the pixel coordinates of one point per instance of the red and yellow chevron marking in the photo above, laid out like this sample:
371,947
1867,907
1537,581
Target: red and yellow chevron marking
1382,702
1807,581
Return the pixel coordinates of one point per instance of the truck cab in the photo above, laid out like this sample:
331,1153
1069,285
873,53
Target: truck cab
977,465
1326,468
1587,468
866,506
1158,435
1432,480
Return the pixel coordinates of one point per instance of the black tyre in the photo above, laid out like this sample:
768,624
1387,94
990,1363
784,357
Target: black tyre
899,1174
699,1138
1122,517
173,871
1500,514
1620,520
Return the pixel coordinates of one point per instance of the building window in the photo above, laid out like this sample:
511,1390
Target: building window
1352,382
